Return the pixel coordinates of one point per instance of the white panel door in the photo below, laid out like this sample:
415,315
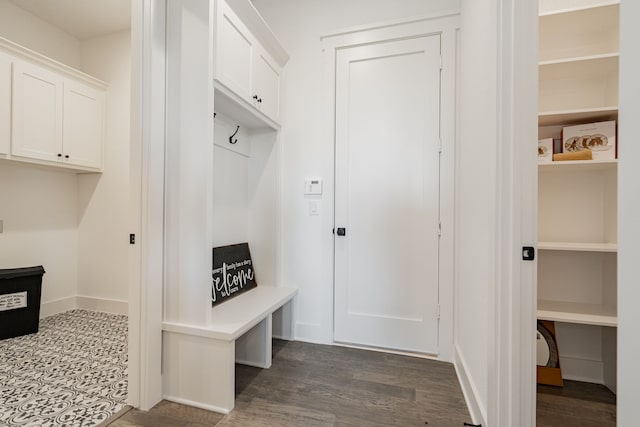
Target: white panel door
83,125
234,53
387,194
267,86
37,112
5,103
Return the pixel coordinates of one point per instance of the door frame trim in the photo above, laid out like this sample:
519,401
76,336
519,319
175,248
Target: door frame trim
146,257
512,327
446,25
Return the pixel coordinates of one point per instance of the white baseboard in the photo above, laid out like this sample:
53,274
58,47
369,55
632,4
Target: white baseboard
579,369
102,304
283,338
311,333
253,364
195,404
61,305
469,390
57,306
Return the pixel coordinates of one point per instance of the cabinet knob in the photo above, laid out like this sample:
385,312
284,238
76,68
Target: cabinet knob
255,97
260,100
66,156
59,155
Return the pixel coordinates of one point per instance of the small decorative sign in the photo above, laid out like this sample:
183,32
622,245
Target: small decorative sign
232,272
13,301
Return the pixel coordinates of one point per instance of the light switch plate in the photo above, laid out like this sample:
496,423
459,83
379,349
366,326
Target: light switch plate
313,186
314,208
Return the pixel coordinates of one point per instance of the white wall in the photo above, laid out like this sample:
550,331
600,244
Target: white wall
307,241
74,225
476,192
30,31
628,214
40,206
39,209
103,198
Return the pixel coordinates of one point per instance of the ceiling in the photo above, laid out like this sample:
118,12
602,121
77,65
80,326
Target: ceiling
82,19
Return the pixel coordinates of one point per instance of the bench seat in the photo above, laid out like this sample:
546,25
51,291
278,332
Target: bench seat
199,361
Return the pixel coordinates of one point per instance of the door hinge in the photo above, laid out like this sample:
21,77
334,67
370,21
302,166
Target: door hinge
439,229
438,311
132,239
440,145
441,62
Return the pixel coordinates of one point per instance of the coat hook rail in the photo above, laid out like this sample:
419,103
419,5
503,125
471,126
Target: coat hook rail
231,140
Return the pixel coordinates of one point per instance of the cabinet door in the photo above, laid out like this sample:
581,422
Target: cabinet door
234,53
5,103
37,113
267,83
83,121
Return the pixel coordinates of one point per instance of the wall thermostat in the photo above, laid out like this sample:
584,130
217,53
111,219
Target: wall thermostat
313,186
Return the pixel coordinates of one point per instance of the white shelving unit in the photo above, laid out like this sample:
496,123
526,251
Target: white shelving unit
578,247
577,200
580,313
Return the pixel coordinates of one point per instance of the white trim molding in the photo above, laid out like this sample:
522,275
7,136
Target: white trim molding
49,308
628,214
104,305
469,389
511,397
146,262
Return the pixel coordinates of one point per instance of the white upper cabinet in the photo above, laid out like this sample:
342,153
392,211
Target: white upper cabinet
50,114
5,104
248,62
37,112
234,53
267,86
83,125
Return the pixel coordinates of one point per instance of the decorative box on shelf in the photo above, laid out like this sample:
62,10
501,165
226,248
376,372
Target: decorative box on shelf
599,137
545,150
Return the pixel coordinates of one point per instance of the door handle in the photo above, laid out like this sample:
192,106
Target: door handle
341,231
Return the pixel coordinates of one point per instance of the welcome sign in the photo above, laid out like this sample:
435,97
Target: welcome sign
233,272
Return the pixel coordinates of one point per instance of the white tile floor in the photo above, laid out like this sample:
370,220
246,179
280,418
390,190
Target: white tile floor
73,372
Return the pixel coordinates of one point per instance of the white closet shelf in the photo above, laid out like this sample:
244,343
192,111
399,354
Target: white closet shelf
577,116
578,247
571,312
577,165
579,67
577,59
587,7
236,108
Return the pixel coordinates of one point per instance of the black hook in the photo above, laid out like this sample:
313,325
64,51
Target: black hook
231,140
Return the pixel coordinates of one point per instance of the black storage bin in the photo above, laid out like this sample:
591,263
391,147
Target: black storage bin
20,287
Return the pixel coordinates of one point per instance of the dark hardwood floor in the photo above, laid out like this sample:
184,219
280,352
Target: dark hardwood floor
576,404
315,385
